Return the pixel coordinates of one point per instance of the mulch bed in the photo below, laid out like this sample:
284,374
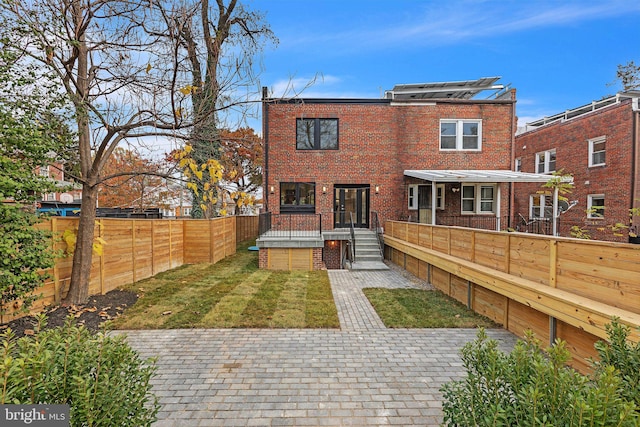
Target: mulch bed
98,310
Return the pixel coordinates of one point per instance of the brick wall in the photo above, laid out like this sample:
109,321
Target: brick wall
377,142
332,259
570,140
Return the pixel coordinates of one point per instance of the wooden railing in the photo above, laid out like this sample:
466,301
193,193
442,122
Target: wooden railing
557,287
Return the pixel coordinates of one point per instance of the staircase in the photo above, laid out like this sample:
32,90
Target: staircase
368,256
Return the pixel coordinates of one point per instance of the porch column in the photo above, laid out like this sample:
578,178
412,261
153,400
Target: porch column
498,206
555,211
433,202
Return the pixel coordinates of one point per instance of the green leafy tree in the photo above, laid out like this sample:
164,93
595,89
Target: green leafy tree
30,135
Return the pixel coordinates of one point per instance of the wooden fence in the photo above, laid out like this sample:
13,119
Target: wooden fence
557,287
136,249
246,227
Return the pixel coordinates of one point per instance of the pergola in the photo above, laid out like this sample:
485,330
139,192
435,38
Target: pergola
492,176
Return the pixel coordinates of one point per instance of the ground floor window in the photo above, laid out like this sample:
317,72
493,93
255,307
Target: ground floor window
478,198
595,206
297,197
540,206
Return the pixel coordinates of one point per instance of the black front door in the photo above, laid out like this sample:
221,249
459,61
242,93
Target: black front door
351,201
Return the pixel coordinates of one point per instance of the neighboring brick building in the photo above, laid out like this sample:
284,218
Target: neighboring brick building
63,203
331,158
598,144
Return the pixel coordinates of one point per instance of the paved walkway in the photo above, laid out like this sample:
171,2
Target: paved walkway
362,374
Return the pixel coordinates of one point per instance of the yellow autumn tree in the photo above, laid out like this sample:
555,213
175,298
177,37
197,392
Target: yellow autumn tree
203,179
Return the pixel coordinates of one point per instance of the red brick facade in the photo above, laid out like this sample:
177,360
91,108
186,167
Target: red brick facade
332,251
378,140
617,179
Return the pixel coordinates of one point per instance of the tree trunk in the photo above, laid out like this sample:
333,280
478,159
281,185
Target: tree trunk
81,271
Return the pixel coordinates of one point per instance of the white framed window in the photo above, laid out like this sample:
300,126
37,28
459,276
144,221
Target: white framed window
44,171
440,196
518,165
595,206
478,198
459,135
412,197
540,206
546,161
597,151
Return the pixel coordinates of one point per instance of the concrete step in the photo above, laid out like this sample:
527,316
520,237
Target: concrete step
369,265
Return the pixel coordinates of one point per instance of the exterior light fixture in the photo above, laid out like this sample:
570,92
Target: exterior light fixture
377,189
272,189
324,189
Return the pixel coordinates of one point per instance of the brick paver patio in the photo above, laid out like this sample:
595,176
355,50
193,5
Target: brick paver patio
363,374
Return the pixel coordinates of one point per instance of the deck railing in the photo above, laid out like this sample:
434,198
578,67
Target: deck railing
290,225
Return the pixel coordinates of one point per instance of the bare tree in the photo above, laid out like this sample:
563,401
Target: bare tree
629,75
220,44
118,82
132,69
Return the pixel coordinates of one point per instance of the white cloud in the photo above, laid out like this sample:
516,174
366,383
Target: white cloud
444,23
320,86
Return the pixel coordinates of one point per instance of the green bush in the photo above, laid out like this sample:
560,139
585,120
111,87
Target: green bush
102,379
532,387
624,356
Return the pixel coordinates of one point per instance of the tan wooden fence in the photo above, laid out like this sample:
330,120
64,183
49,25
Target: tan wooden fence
557,287
246,227
136,249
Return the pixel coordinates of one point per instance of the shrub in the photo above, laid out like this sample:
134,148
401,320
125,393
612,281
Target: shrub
624,356
102,379
532,387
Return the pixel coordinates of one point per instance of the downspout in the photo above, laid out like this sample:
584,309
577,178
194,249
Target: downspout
635,151
514,128
265,140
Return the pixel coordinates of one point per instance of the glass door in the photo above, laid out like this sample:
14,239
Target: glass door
350,200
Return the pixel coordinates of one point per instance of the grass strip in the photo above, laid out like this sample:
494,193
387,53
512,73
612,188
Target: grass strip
416,308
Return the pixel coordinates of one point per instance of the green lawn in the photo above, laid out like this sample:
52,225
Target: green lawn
415,308
232,293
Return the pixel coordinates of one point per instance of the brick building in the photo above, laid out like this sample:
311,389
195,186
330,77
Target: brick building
422,149
598,144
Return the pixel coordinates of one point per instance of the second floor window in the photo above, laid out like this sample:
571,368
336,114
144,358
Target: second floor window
597,151
317,134
546,161
460,135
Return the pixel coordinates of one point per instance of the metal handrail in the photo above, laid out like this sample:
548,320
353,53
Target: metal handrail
290,226
352,241
375,224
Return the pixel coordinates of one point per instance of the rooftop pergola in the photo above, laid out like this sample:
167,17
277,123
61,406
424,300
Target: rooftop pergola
492,176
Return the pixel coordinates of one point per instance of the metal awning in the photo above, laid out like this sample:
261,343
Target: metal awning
489,176
481,176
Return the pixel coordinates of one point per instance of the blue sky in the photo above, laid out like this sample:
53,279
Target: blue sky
557,54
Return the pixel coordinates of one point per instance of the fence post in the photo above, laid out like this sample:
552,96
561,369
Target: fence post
133,247
100,226
56,274
553,264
